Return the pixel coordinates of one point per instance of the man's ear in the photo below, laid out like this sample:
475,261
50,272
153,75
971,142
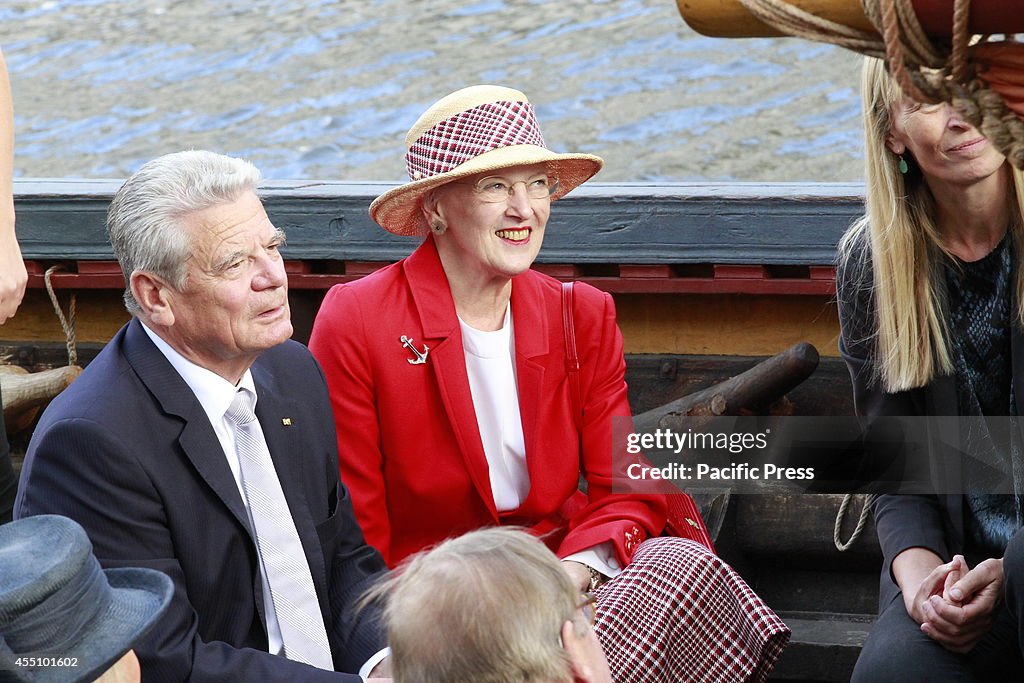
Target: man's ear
573,646
154,298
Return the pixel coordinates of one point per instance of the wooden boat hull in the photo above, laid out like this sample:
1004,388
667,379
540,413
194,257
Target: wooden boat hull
708,280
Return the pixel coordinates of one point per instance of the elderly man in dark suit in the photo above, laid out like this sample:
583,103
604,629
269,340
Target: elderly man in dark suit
200,442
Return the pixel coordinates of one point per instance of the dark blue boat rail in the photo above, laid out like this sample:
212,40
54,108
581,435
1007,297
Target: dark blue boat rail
770,224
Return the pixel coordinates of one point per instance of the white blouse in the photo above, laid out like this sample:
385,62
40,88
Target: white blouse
495,390
492,383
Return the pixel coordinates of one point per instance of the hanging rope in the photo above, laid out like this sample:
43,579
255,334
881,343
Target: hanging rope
66,323
961,39
861,521
953,73
802,24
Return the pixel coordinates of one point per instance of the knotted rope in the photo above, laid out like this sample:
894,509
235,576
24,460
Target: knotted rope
67,323
926,72
861,521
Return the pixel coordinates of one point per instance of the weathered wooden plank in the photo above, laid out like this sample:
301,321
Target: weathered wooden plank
789,587
716,325
759,389
824,646
725,324
779,527
636,223
657,379
653,379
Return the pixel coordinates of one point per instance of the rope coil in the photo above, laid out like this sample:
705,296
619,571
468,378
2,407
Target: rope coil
67,323
926,72
862,520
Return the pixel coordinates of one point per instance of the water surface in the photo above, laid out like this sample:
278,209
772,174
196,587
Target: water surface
328,88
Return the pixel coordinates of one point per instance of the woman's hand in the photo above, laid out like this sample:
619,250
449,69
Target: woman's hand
578,574
920,574
960,617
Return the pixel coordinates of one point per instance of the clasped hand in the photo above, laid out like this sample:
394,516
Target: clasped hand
955,604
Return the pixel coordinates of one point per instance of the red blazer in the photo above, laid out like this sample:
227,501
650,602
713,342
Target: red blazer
409,445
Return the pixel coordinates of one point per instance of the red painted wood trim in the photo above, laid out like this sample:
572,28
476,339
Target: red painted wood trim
562,271
360,268
986,16
781,286
823,273
632,278
734,272
644,271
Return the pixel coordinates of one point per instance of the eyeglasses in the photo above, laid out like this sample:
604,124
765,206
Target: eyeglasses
494,190
588,607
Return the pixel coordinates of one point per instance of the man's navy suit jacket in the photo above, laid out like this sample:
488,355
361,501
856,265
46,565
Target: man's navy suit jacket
128,452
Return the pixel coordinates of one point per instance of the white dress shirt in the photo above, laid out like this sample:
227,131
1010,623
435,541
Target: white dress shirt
215,395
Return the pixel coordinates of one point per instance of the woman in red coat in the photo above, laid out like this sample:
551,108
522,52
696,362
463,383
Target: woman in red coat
454,409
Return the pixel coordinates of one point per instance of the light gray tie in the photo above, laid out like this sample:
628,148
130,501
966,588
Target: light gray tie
284,562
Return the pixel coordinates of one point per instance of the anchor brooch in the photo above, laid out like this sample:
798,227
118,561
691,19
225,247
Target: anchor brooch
420,358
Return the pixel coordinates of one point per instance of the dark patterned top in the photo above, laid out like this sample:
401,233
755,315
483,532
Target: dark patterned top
980,297
980,300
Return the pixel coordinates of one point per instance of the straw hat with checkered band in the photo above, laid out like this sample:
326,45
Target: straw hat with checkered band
474,130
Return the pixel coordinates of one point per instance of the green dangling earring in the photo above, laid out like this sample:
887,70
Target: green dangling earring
903,165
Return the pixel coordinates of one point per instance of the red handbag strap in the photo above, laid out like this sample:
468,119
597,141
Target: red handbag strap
684,518
572,361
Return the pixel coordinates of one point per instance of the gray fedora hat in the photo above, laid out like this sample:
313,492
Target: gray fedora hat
60,611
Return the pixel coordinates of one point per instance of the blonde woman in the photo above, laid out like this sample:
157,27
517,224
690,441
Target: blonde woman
931,303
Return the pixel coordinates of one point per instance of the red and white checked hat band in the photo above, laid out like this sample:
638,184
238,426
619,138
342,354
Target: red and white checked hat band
474,130
470,133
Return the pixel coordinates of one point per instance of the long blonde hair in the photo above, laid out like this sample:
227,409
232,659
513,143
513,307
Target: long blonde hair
912,341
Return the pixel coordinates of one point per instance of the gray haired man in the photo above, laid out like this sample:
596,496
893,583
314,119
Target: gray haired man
200,442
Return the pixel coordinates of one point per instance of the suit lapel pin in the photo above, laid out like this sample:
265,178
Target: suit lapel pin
420,358
286,421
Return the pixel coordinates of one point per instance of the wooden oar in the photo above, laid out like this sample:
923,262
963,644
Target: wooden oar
730,19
